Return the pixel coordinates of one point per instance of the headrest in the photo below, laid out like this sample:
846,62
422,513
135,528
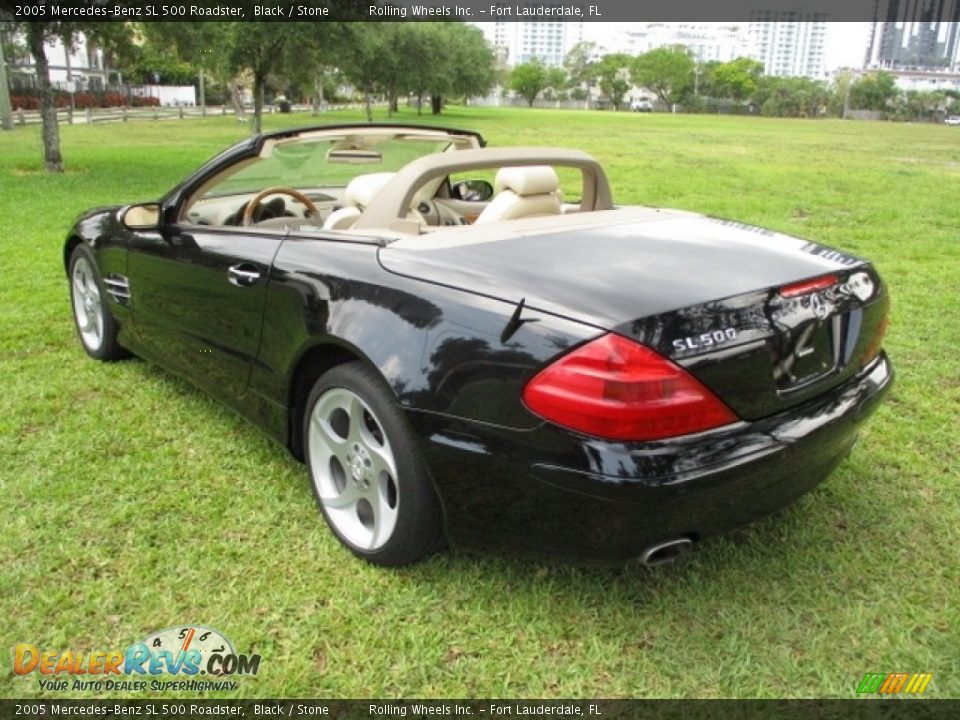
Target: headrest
528,180
361,191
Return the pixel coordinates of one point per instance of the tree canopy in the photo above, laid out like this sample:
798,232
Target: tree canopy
578,64
736,79
613,72
791,96
667,71
426,59
873,91
528,80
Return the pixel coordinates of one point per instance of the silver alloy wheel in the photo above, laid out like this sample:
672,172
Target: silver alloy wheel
353,469
87,306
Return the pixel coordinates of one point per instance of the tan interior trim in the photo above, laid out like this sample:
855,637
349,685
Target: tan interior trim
395,198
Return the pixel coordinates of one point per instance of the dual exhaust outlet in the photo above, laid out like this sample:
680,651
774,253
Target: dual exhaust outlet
666,552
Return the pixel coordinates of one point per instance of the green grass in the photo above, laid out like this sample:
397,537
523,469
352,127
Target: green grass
131,502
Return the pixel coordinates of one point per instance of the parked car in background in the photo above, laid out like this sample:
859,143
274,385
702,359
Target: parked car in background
952,120
641,106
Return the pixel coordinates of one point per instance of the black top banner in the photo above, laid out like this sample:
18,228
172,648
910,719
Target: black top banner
616,11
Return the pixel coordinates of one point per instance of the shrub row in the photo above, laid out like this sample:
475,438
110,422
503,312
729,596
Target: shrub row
84,100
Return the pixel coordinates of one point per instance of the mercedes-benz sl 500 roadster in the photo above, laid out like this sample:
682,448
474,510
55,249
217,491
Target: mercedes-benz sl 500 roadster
476,346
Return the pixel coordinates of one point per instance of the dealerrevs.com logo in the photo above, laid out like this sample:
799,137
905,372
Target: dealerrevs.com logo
186,652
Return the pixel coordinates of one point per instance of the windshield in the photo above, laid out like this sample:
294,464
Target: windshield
322,163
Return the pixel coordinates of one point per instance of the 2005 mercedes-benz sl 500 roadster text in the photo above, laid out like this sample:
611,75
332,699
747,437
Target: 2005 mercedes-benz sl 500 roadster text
475,346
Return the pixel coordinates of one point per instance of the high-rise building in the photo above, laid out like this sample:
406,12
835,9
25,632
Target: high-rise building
916,34
789,43
707,41
520,42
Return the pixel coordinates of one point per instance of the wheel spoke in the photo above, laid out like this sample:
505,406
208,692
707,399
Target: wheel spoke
346,499
79,286
384,517
382,460
321,427
355,411
379,528
325,417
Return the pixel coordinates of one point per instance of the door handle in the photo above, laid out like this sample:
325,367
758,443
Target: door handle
243,275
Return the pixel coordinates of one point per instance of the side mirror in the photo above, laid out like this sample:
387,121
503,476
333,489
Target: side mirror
145,216
472,190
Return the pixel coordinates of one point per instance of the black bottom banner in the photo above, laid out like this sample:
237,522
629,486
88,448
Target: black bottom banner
483,709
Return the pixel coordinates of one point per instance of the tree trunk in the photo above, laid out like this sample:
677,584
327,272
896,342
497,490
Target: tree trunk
6,112
366,100
257,103
393,103
317,94
436,104
235,99
52,158
419,103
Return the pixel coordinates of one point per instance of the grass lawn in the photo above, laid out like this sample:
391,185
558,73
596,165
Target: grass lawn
133,503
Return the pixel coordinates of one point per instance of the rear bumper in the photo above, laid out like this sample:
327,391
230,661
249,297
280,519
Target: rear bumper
551,492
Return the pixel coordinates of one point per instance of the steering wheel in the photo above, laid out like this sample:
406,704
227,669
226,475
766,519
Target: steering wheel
255,202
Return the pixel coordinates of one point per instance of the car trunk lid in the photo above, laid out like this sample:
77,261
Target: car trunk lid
718,297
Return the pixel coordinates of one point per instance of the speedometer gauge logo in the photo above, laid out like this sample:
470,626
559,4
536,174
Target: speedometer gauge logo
205,647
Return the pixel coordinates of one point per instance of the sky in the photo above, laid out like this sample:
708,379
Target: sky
846,44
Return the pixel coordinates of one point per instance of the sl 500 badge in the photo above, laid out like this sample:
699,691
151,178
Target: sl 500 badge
705,340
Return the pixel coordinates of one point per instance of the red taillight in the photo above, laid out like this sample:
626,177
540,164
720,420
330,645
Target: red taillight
808,286
615,388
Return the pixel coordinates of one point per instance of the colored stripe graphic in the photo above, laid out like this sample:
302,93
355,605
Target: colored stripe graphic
894,683
871,683
918,683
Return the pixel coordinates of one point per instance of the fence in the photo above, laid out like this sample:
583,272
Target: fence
864,115
123,114
498,101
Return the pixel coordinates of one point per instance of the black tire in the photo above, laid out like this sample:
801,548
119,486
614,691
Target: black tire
351,462
99,340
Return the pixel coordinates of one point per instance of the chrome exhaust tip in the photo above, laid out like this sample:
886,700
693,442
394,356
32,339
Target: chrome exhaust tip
666,552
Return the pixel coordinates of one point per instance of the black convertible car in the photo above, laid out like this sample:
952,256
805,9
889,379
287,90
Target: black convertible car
475,345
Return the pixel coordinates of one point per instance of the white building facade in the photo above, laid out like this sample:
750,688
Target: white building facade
721,42
789,44
926,80
82,66
516,43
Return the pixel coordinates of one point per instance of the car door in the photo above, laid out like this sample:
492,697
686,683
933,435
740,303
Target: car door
198,299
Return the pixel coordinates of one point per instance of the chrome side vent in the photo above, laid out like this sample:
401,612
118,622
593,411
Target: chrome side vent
118,287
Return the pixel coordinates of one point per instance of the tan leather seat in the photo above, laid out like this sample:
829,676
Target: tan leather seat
358,194
521,192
